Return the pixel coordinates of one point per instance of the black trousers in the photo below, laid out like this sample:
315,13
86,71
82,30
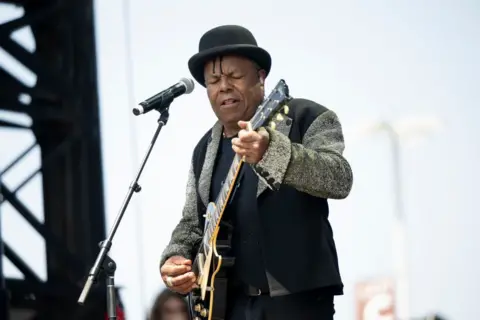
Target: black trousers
299,306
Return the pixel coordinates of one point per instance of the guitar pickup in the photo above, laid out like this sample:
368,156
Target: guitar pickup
201,261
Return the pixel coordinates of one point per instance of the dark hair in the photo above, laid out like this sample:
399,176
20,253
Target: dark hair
160,300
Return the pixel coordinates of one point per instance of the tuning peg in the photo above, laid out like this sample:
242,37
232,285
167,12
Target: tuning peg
272,125
279,117
286,109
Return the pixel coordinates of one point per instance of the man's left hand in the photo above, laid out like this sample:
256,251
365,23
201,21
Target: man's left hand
251,144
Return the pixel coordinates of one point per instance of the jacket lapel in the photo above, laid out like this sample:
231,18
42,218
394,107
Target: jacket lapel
205,179
284,127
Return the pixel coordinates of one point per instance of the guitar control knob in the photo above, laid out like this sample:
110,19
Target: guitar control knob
198,307
204,312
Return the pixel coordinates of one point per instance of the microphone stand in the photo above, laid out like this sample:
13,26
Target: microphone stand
104,263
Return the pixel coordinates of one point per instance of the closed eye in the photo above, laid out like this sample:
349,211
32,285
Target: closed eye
212,80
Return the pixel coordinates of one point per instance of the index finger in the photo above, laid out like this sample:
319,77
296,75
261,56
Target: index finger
174,269
179,260
246,136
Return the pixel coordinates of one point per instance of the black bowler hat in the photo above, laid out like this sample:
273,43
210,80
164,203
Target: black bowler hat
226,40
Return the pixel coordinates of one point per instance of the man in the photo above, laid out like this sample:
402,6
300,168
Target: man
285,258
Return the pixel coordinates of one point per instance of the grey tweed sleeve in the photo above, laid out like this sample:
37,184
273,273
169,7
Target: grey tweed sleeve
188,231
316,166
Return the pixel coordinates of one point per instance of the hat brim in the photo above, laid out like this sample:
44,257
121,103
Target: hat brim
196,64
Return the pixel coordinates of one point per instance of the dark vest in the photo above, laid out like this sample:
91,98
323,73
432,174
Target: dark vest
297,238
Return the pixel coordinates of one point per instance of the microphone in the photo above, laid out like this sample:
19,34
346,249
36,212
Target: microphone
162,100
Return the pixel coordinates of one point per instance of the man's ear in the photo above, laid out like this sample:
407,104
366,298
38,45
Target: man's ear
261,76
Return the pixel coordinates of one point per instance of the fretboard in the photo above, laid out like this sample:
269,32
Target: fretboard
213,220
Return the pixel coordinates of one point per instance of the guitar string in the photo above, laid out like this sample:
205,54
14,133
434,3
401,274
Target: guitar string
212,224
257,119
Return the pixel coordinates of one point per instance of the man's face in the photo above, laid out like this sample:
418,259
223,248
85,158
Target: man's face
234,88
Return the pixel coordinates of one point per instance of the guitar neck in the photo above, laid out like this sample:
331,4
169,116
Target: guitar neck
213,218
275,102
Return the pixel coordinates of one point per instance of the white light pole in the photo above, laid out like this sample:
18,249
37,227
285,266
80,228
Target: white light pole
398,132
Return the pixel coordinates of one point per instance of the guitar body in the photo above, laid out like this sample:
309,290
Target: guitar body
213,260
208,301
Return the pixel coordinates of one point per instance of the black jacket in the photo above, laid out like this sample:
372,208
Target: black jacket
302,167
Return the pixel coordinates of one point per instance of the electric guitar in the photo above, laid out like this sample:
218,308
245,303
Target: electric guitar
208,301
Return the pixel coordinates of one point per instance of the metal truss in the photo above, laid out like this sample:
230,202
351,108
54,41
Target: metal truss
63,108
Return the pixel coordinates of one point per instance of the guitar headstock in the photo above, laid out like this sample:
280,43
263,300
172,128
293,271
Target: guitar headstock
272,107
